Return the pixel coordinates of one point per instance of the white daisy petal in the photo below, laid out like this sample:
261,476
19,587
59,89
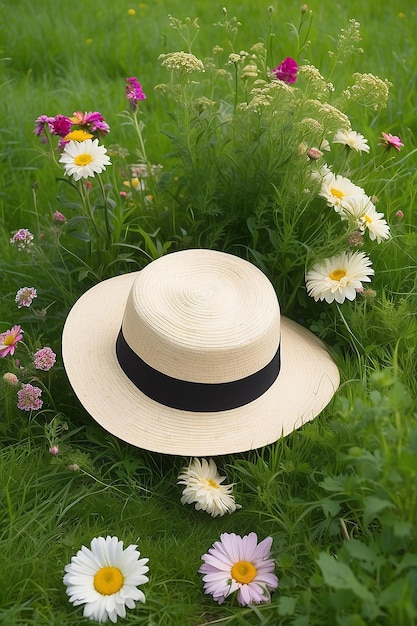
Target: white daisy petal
339,277
105,579
351,139
82,159
337,190
203,486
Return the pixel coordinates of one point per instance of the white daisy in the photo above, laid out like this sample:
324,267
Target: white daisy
339,277
362,209
337,190
203,486
351,139
84,158
105,577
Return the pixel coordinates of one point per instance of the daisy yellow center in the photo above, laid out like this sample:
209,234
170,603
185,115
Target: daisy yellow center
337,274
243,572
78,135
336,192
83,159
213,483
368,219
108,580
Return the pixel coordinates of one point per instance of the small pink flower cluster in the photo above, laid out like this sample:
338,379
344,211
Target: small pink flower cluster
23,239
29,398
25,296
134,92
44,359
61,125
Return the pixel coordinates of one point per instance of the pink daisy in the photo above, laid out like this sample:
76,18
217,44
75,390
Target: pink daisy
9,340
239,564
392,141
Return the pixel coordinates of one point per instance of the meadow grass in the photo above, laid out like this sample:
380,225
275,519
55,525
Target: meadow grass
339,495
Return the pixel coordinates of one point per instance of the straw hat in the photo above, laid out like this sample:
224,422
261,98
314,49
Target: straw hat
190,356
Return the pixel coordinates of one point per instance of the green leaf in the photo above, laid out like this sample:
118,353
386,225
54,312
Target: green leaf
408,560
338,575
373,506
368,555
286,605
330,507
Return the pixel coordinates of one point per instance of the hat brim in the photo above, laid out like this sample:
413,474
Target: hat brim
306,383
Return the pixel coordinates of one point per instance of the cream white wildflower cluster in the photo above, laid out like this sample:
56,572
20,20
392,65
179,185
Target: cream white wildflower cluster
270,148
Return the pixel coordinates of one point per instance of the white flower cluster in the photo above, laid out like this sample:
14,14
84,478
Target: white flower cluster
181,62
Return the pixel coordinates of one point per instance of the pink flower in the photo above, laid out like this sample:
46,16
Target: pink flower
286,71
10,379
53,450
22,239
29,398
239,564
25,296
391,141
399,214
134,91
9,341
314,154
41,122
44,359
58,218
60,125
91,122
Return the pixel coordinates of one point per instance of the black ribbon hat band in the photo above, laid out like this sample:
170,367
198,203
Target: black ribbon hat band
192,396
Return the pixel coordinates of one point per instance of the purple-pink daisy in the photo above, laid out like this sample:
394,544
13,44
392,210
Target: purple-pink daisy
242,565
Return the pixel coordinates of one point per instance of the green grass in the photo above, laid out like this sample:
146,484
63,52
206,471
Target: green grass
342,486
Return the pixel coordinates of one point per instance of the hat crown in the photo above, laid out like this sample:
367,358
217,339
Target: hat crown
203,316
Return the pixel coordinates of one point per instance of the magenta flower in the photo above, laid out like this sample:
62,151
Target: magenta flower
25,296
22,239
239,564
391,141
286,71
91,122
29,398
41,122
60,125
134,91
9,341
44,359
